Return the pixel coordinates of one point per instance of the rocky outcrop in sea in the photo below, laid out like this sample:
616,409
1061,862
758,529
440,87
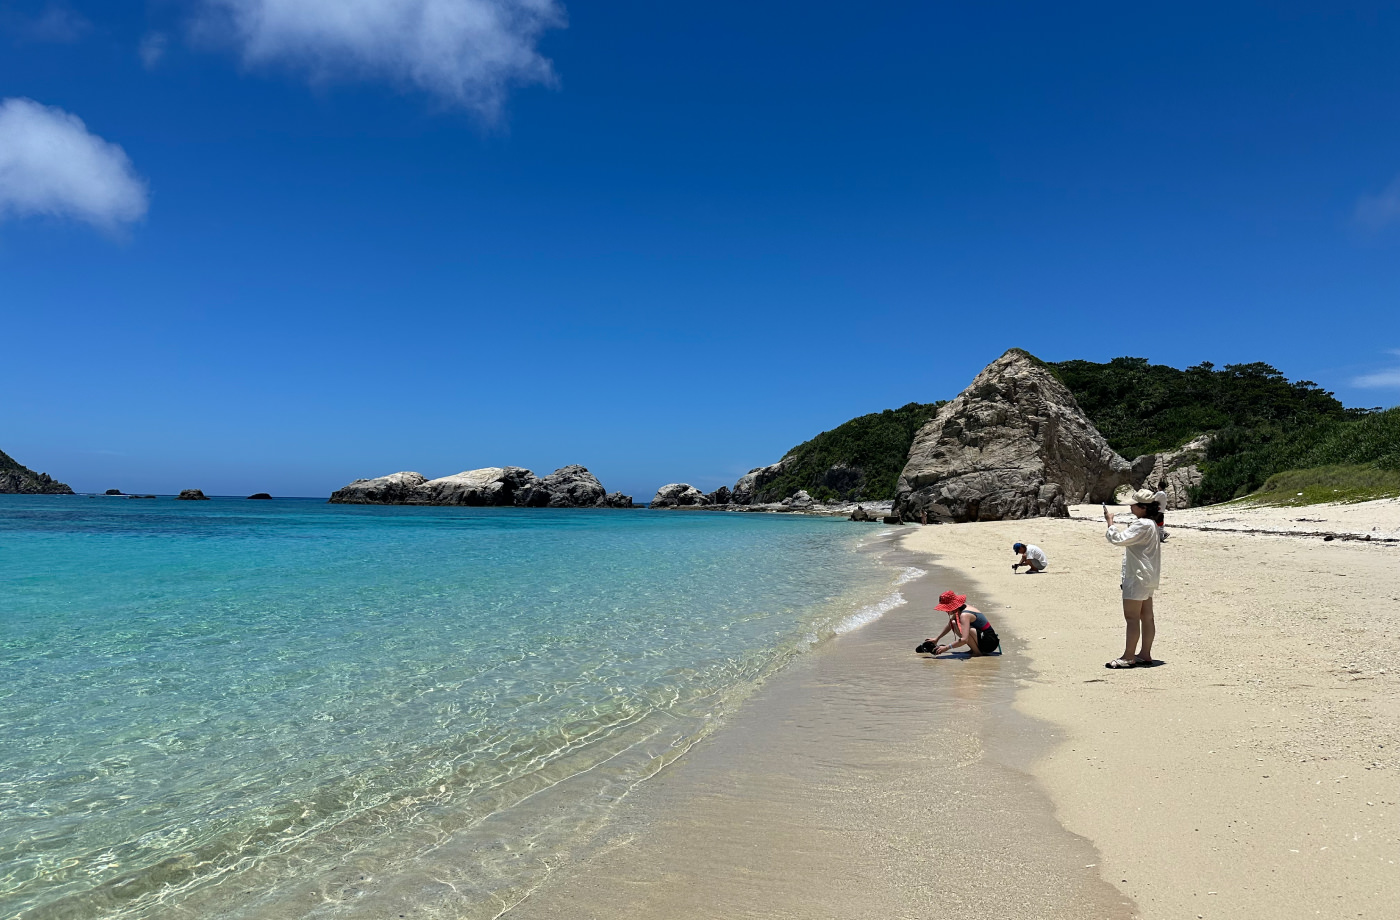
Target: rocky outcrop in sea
16,479
495,486
1013,444
192,495
679,495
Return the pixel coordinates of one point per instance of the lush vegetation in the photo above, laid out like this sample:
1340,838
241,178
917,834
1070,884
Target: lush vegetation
1244,461
1264,424
1143,408
1327,484
860,460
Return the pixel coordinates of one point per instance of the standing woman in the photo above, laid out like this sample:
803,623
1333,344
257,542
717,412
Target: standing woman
1142,569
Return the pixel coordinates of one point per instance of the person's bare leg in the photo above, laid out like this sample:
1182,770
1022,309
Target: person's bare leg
1132,613
1149,631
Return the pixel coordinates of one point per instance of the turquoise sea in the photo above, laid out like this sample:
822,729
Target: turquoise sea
290,709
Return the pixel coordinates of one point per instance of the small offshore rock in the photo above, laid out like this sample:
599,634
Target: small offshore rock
618,500
679,495
493,486
259,495
192,495
860,514
113,492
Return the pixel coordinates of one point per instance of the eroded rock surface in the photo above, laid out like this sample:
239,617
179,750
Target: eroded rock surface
679,495
799,502
1175,472
493,486
744,492
192,495
1014,444
394,489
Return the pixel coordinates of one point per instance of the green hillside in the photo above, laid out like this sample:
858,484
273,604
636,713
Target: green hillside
15,477
859,460
1264,424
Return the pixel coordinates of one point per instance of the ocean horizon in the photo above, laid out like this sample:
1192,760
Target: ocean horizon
264,708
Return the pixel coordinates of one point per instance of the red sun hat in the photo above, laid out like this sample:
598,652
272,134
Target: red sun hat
949,602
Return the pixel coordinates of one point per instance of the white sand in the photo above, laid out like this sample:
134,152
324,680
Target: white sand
1254,774
1377,519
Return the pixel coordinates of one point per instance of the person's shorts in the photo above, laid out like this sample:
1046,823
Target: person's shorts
1036,566
987,641
1137,593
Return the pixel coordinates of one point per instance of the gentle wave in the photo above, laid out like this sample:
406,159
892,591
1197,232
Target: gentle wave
912,573
237,710
869,613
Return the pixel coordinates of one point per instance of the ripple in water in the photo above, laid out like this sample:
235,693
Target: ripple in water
299,708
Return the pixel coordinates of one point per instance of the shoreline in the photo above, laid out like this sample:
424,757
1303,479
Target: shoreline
856,782
1253,774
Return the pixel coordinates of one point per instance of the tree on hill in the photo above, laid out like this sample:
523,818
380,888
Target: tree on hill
1262,422
859,460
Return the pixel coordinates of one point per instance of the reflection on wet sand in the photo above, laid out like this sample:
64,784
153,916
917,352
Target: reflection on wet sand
858,783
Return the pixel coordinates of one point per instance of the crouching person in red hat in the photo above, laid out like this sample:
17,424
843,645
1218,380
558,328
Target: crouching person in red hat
968,623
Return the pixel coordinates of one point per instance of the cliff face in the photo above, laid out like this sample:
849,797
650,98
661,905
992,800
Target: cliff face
493,486
20,480
1014,444
1175,472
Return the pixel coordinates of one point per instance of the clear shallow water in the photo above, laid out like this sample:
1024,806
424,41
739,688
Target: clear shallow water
288,708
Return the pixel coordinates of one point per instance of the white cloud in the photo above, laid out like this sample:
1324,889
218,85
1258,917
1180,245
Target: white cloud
152,49
1375,212
50,164
467,52
1379,380
58,23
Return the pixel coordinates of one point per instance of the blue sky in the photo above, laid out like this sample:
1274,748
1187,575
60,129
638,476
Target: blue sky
277,245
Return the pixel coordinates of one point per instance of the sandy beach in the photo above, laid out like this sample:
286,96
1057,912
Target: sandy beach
863,781
1252,774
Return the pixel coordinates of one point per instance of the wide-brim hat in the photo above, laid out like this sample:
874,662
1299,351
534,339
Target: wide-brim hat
949,602
1142,497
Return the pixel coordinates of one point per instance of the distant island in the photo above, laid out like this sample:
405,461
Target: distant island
1025,438
16,479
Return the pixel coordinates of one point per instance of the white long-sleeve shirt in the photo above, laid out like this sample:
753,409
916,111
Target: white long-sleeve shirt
1142,557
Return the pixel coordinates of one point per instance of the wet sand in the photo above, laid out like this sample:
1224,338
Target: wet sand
862,781
1254,773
